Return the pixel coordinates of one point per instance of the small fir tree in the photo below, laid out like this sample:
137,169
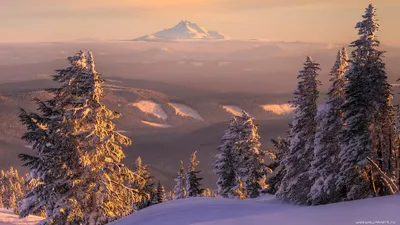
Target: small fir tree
179,189
160,194
142,183
193,186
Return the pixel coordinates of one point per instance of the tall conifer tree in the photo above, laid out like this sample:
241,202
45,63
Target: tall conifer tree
251,167
77,152
226,160
368,116
296,183
325,163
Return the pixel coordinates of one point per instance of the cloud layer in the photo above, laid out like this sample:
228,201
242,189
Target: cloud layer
28,20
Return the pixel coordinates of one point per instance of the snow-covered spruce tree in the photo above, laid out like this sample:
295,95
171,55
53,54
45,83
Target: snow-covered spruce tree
53,161
193,186
368,116
225,161
251,166
160,195
296,183
383,118
240,154
81,179
143,183
179,188
281,146
326,146
102,187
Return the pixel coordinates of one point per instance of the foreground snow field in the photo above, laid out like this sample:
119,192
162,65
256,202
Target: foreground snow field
266,210
7,217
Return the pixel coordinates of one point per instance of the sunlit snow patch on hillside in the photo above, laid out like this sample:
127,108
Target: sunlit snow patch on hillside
159,125
278,109
198,64
151,107
233,109
185,111
7,217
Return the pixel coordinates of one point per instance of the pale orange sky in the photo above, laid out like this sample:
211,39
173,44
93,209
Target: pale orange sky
278,20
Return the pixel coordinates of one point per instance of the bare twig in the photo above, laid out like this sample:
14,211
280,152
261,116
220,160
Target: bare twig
391,183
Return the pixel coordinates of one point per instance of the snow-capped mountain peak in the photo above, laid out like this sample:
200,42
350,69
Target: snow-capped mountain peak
184,30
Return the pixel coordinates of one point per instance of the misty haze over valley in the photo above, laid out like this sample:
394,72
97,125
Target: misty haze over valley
210,78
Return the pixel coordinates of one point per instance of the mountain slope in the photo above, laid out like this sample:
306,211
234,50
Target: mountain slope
265,210
166,122
184,30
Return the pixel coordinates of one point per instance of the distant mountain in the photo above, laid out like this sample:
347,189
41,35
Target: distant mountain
184,30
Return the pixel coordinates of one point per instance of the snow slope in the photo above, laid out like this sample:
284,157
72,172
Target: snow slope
151,107
159,125
233,109
185,111
278,109
265,210
184,30
7,217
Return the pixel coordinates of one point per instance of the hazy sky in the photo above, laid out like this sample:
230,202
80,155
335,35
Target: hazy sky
279,20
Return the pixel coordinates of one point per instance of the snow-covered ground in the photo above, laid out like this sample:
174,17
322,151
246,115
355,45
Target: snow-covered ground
278,109
151,107
185,111
266,210
233,109
261,211
7,217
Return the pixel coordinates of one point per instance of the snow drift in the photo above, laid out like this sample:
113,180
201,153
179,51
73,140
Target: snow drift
7,217
265,210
